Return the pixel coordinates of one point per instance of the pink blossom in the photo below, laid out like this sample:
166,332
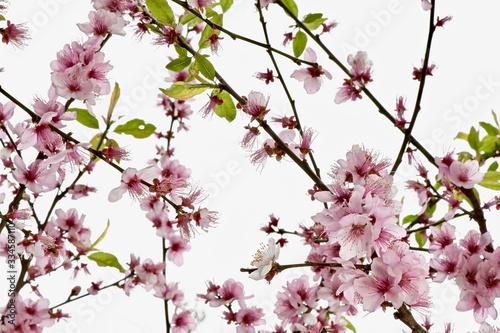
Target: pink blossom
131,182
256,105
38,176
311,76
150,273
6,112
382,285
448,263
440,238
483,307
355,236
296,299
266,76
102,22
170,292
465,174
426,4
15,34
247,318
120,6
229,292
183,322
360,76
178,246
80,71
94,288
200,4
33,314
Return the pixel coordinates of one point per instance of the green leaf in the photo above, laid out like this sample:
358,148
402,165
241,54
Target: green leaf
349,325
182,90
203,43
137,128
182,52
491,180
489,144
495,118
154,28
227,109
490,129
104,259
84,117
299,43
410,218
421,239
226,4
292,6
95,140
313,21
473,139
179,64
190,19
2,18
462,136
493,166
101,237
161,11
114,99
205,66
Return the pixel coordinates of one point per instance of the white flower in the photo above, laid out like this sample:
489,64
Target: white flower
264,258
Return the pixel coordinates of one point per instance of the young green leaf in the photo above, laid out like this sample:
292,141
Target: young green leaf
299,43
349,325
491,180
114,99
495,118
292,6
179,64
226,4
205,66
421,239
313,21
473,139
104,259
490,129
410,218
227,109
2,18
101,237
137,128
161,11
182,90
84,117
493,166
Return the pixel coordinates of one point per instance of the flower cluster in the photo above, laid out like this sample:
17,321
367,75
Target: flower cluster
475,270
361,69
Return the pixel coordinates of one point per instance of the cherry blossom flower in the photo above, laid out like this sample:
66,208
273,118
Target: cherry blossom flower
311,76
465,174
79,71
183,322
256,105
200,4
265,76
178,246
355,237
170,292
264,260
120,6
6,112
482,307
103,22
38,176
382,285
15,34
247,318
131,182
426,4
230,291
360,76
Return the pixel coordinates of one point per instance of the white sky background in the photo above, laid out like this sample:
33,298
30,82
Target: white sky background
465,52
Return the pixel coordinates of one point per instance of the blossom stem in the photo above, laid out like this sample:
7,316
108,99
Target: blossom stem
381,109
406,317
285,87
235,36
69,138
420,93
69,300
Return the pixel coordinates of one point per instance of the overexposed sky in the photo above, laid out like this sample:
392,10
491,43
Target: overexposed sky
463,91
